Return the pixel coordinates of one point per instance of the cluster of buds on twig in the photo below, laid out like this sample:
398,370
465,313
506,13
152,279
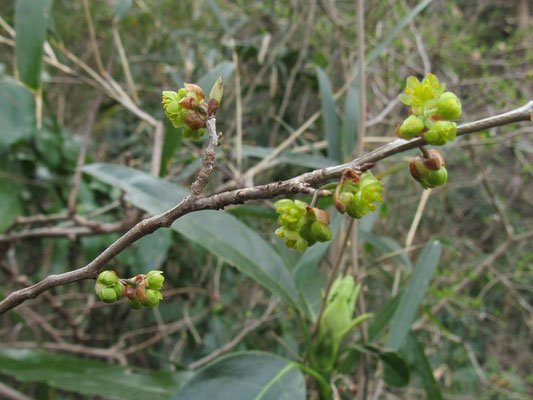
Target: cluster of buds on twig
432,111
142,290
187,108
301,225
357,194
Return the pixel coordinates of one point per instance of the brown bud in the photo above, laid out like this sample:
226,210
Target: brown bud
320,215
434,161
194,91
193,120
212,108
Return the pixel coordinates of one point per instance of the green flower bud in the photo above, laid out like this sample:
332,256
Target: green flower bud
293,213
365,194
429,171
152,298
155,279
440,133
321,231
435,178
135,304
108,295
449,106
422,95
340,305
411,127
107,278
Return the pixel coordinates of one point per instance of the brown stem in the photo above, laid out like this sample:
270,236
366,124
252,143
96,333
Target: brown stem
194,202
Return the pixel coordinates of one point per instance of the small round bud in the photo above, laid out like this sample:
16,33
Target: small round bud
321,231
435,178
449,106
152,298
107,278
440,133
411,127
107,295
155,279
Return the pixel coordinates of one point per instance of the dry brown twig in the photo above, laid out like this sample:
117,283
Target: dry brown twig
195,202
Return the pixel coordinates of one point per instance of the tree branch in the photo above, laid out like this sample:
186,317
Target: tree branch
194,202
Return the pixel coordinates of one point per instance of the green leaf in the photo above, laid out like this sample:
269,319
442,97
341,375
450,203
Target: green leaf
395,371
413,294
31,21
173,138
382,318
151,251
246,376
422,367
380,48
10,206
223,69
331,123
217,231
17,113
351,120
89,377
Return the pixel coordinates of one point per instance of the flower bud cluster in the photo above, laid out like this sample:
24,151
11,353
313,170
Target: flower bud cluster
142,290
429,169
358,194
108,288
187,108
301,225
432,111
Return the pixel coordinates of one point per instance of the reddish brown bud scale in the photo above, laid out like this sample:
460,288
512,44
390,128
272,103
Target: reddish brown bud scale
188,103
212,107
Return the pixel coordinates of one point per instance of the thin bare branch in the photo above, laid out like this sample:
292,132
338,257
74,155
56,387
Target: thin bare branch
194,202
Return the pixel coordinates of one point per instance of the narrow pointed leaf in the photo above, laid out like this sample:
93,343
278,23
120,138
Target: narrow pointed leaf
331,123
31,21
413,294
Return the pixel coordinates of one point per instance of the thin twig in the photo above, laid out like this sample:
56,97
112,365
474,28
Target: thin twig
194,202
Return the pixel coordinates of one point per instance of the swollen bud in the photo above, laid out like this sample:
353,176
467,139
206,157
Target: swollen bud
108,295
321,231
107,278
429,171
411,127
152,298
440,133
449,106
155,279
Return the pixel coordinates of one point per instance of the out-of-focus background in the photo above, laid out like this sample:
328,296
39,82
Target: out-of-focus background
290,84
